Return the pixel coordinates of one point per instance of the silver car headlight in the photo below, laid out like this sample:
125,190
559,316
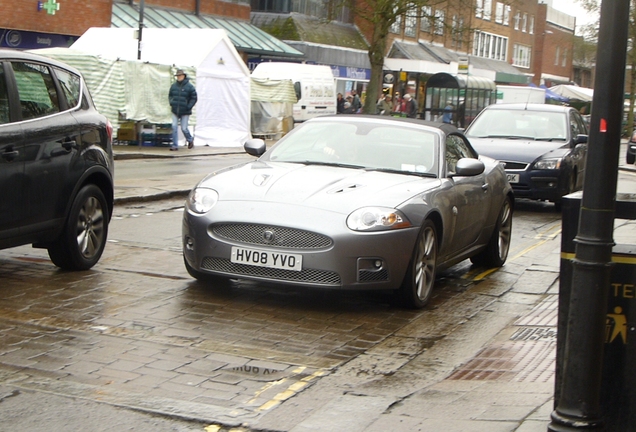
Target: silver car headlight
376,219
201,200
548,164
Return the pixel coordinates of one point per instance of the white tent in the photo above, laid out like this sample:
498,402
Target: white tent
222,78
573,92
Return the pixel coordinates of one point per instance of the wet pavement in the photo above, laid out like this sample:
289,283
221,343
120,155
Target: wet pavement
481,362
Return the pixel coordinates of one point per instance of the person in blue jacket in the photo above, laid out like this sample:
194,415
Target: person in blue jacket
182,97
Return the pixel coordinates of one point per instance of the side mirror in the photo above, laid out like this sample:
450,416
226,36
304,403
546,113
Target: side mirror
469,167
580,139
255,146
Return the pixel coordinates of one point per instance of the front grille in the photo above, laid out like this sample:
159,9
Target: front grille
320,277
271,236
509,165
373,275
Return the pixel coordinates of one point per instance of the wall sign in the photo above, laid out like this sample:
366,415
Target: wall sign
50,6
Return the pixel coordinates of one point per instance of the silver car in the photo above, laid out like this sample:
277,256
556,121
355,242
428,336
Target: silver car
351,202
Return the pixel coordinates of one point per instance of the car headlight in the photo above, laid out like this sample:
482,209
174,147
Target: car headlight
376,219
201,200
548,164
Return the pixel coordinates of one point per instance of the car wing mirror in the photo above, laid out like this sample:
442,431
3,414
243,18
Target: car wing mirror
467,167
581,139
255,146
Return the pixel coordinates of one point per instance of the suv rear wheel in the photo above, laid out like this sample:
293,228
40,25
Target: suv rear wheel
85,232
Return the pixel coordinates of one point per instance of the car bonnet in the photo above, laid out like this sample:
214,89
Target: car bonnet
321,187
518,150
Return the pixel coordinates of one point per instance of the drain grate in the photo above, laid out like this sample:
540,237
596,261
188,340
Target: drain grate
527,356
534,334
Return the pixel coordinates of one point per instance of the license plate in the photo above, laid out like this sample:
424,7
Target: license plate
513,178
262,258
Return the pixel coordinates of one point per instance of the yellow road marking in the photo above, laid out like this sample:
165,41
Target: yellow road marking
290,391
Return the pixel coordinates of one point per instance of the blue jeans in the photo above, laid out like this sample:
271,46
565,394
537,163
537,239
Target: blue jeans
184,119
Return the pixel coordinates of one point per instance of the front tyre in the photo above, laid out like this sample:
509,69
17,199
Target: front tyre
630,158
419,280
83,238
496,252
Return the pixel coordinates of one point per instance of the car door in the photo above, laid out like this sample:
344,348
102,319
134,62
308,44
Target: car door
472,195
11,162
50,145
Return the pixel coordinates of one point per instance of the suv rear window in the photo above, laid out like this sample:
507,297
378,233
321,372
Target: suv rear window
70,85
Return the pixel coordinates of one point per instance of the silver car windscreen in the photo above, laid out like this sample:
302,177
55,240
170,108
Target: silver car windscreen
365,145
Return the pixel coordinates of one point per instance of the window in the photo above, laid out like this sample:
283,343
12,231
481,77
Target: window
456,149
410,21
499,13
479,8
38,96
487,9
577,125
531,28
564,61
425,21
517,19
521,55
439,22
556,58
396,27
489,45
524,23
506,15
70,85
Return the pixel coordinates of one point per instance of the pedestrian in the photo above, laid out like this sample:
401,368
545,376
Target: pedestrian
448,113
397,103
356,104
385,106
340,104
348,106
182,97
410,106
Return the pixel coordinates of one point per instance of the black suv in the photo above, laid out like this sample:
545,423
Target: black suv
56,161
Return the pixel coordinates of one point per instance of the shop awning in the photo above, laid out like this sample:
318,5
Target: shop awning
502,71
246,37
446,80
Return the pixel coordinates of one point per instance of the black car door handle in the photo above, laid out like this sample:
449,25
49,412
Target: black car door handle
68,144
484,187
10,154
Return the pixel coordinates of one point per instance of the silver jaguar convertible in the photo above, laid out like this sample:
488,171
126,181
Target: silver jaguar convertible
351,202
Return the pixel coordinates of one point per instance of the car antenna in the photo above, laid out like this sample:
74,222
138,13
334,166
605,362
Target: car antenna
527,101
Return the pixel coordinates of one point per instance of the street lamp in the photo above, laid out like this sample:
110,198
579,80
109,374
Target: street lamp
141,26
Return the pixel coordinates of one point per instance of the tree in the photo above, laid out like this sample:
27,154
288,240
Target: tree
376,18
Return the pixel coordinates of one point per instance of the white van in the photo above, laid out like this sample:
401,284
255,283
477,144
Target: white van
520,94
314,84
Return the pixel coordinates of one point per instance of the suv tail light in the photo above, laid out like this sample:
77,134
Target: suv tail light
109,130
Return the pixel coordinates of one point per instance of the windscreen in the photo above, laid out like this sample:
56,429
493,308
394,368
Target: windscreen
520,124
368,145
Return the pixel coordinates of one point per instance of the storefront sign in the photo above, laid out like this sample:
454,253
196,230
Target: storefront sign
33,40
462,65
